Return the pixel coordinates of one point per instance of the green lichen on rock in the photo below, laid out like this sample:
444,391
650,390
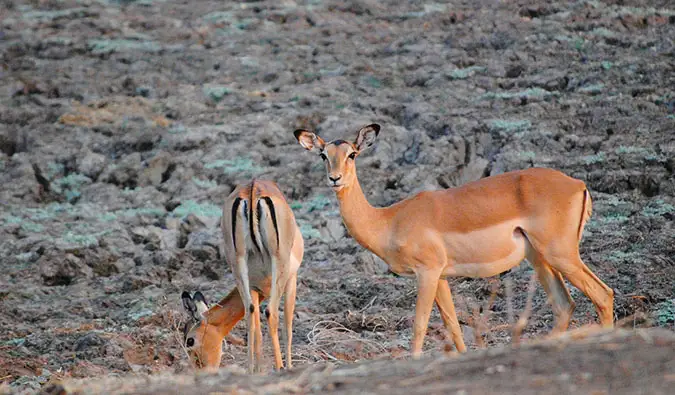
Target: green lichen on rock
238,165
200,209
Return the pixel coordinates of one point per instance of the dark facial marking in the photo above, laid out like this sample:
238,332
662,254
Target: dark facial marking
186,329
251,308
338,142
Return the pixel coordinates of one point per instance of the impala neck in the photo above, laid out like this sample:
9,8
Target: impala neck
226,313
364,222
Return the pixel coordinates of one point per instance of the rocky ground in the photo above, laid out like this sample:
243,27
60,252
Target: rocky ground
124,124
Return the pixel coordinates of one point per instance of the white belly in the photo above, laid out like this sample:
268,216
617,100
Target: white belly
485,252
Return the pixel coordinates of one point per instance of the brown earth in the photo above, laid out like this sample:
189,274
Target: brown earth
124,124
601,362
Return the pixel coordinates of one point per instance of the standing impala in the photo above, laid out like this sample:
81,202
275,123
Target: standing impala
264,247
480,229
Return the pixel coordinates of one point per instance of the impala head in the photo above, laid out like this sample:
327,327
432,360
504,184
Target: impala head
202,340
339,155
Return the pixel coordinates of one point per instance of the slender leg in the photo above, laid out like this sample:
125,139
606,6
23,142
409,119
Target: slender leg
241,278
427,285
448,314
558,295
574,269
273,318
289,312
258,343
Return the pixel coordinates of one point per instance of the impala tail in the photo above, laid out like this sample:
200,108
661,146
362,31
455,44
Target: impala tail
586,211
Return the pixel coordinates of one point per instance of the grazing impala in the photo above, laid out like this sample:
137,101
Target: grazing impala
264,247
479,229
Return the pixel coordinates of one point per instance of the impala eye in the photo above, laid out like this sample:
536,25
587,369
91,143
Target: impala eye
190,342
352,156
323,156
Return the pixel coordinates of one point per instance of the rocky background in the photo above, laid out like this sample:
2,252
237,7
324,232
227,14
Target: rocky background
124,124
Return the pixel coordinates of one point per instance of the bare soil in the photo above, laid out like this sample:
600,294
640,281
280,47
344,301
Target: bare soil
124,124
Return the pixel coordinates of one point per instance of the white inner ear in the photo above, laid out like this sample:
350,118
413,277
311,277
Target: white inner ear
308,141
201,308
366,138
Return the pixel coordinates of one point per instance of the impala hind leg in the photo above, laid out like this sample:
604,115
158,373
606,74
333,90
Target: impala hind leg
257,329
447,309
289,312
557,293
574,269
427,286
273,318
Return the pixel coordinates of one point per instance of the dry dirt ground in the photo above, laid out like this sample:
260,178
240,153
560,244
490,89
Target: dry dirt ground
124,124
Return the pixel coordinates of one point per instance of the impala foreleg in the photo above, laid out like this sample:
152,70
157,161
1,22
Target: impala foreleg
447,309
427,286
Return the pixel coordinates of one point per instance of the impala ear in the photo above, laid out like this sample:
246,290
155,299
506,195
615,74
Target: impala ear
310,141
195,306
188,303
200,303
366,136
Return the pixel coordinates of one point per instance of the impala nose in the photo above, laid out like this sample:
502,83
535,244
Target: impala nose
334,179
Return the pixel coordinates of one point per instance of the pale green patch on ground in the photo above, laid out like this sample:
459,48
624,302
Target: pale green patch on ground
308,231
612,218
666,313
54,169
219,17
177,128
32,227
531,93
238,165
460,74
199,209
371,81
592,89
602,32
646,11
133,212
631,257
75,240
205,184
527,155
657,208
647,154
216,93
318,202
606,65
99,47
70,185
45,16
506,127
593,159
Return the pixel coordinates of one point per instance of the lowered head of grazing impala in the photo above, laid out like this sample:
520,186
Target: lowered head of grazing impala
479,229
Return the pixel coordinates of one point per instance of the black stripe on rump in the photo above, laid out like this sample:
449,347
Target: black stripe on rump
250,221
235,207
270,204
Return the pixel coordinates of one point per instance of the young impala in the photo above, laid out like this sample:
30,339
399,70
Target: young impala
264,247
479,229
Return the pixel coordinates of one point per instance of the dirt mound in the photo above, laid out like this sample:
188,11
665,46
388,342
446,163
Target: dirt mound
621,362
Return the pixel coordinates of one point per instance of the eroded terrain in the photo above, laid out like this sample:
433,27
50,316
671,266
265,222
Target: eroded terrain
124,124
